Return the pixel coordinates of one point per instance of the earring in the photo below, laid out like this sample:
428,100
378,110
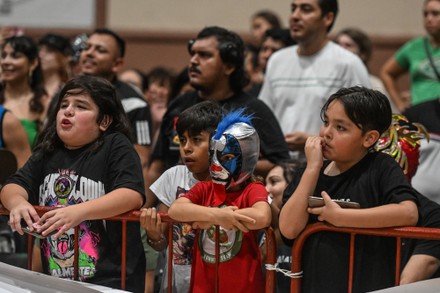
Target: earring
30,76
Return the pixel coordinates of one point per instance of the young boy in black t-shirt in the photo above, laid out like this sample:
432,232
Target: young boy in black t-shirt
341,165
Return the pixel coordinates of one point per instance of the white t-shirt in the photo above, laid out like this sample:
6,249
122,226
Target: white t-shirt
296,87
173,183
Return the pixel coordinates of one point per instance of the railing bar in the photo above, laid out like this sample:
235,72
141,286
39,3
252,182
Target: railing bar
170,257
76,255
124,254
398,260
217,258
351,264
30,245
271,259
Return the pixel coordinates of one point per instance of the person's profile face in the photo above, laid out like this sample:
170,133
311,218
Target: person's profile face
206,68
306,20
100,56
194,151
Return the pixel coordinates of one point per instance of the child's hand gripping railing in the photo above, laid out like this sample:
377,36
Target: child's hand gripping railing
133,216
398,233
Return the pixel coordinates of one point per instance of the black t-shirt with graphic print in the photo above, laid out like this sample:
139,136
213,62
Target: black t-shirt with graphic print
69,177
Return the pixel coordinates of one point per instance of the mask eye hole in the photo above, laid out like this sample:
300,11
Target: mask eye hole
227,157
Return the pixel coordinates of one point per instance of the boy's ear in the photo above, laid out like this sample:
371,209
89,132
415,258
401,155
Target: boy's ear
370,138
105,123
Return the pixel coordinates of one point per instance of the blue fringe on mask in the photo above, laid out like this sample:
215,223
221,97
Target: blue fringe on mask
232,118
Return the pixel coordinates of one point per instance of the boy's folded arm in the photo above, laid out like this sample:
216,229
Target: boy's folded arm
183,210
404,213
260,212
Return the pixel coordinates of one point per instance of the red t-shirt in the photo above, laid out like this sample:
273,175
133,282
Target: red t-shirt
240,261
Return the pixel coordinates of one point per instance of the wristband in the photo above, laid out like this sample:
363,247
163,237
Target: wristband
157,242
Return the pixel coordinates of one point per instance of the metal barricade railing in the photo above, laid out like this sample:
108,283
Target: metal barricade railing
398,233
133,216
270,255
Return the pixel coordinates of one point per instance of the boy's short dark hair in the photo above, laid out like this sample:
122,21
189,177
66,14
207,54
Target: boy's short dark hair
368,109
203,116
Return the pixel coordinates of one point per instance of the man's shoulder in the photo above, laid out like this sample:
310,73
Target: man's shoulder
130,98
340,54
182,102
124,90
285,53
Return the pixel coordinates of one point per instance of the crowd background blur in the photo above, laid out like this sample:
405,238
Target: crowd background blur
153,40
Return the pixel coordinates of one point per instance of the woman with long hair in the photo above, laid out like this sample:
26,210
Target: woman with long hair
23,88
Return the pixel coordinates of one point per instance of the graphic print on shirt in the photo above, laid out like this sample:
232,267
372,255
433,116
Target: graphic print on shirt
230,243
63,189
183,239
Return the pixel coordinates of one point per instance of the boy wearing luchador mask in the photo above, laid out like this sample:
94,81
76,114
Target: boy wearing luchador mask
234,202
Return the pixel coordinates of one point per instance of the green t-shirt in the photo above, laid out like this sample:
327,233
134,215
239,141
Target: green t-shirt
424,83
31,128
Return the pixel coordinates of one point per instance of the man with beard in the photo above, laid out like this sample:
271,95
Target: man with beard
216,72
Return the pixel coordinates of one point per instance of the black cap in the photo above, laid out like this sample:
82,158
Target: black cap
57,42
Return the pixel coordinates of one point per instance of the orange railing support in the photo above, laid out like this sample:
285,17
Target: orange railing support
133,216
398,233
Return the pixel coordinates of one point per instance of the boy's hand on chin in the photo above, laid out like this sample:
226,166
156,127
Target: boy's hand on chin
328,212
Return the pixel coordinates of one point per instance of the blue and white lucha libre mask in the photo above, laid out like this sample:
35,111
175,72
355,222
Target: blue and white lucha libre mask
234,150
